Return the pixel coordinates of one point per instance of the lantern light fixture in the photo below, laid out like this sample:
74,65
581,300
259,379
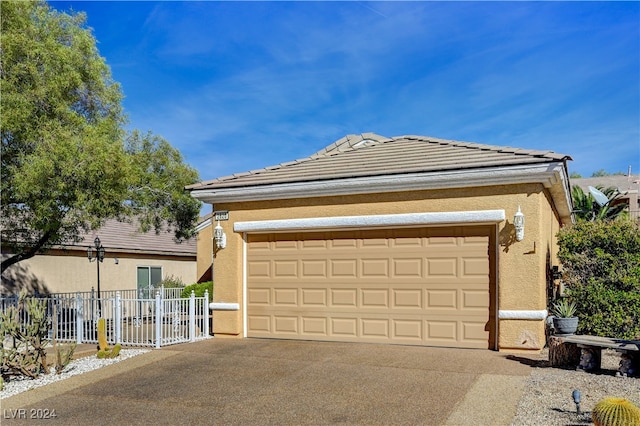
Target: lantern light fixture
219,236
518,223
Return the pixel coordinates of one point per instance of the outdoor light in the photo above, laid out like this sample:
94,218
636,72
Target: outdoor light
518,222
576,399
220,236
99,257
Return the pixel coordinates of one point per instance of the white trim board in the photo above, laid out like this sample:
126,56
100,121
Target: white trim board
372,221
522,315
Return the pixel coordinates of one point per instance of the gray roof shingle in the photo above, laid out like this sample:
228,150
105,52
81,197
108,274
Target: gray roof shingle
123,237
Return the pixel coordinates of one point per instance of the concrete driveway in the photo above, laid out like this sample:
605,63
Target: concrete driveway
260,382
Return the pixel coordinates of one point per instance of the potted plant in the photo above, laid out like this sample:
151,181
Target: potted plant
564,320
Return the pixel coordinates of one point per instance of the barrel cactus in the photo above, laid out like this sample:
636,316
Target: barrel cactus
616,412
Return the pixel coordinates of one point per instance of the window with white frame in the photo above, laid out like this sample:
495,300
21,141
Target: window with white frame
149,278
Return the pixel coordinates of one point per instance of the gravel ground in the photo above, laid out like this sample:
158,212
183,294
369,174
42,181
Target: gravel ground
77,366
548,400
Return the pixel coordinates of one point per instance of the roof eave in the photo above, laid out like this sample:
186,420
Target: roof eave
553,175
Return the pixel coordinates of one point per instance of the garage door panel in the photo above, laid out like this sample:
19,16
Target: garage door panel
314,297
336,243
259,296
285,324
428,286
347,297
344,327
259,268
374,298
473,331
315,326
314,268
442,330
407,330
285,296
407,268
259,324
374,268
407,298
447,267
475,299
376,328
311,244
442,299
475,267
344,268
285,269
284,245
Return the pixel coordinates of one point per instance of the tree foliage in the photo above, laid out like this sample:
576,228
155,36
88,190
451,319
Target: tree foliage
601,262
603,172
66,163
586,207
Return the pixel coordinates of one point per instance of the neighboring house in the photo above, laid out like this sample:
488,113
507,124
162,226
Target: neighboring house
133,261
205,249
406,240
627,185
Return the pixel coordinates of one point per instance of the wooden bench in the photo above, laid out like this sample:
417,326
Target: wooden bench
586,352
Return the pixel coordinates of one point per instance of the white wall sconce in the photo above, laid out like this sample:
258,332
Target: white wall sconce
518,222
220,236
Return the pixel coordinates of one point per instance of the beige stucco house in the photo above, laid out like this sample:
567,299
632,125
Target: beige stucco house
406,240
132,261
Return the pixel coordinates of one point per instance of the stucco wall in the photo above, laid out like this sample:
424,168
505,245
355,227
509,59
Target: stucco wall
525,272
204,249
70,271
521,265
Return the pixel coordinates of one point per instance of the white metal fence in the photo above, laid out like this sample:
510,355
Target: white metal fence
151,322
143,293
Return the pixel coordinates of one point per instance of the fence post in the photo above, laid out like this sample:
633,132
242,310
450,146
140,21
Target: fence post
205,313
192,316
118,318
79,319
158,320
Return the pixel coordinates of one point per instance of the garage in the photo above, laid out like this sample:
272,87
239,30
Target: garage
409,240
431,286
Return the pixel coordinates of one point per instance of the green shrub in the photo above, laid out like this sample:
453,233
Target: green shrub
171,282
601,262
199,289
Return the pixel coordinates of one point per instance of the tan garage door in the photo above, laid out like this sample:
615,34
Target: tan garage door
427,286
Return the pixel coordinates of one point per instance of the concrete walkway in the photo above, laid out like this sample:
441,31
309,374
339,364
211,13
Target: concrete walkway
260,382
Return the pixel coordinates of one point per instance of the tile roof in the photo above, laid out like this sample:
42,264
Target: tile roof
123,237
370,154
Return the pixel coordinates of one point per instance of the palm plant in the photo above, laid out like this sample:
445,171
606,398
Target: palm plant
586,207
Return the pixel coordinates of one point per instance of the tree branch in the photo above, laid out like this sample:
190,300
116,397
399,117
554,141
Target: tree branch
26,254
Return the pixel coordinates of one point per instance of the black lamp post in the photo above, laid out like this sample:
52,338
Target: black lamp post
99,257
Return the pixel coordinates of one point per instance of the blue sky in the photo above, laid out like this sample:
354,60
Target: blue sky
237,86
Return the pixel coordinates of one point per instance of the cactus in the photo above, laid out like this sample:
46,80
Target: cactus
116,350
104,351
616,412
102,334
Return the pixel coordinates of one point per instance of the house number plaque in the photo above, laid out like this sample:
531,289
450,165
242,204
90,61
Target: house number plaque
221,215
